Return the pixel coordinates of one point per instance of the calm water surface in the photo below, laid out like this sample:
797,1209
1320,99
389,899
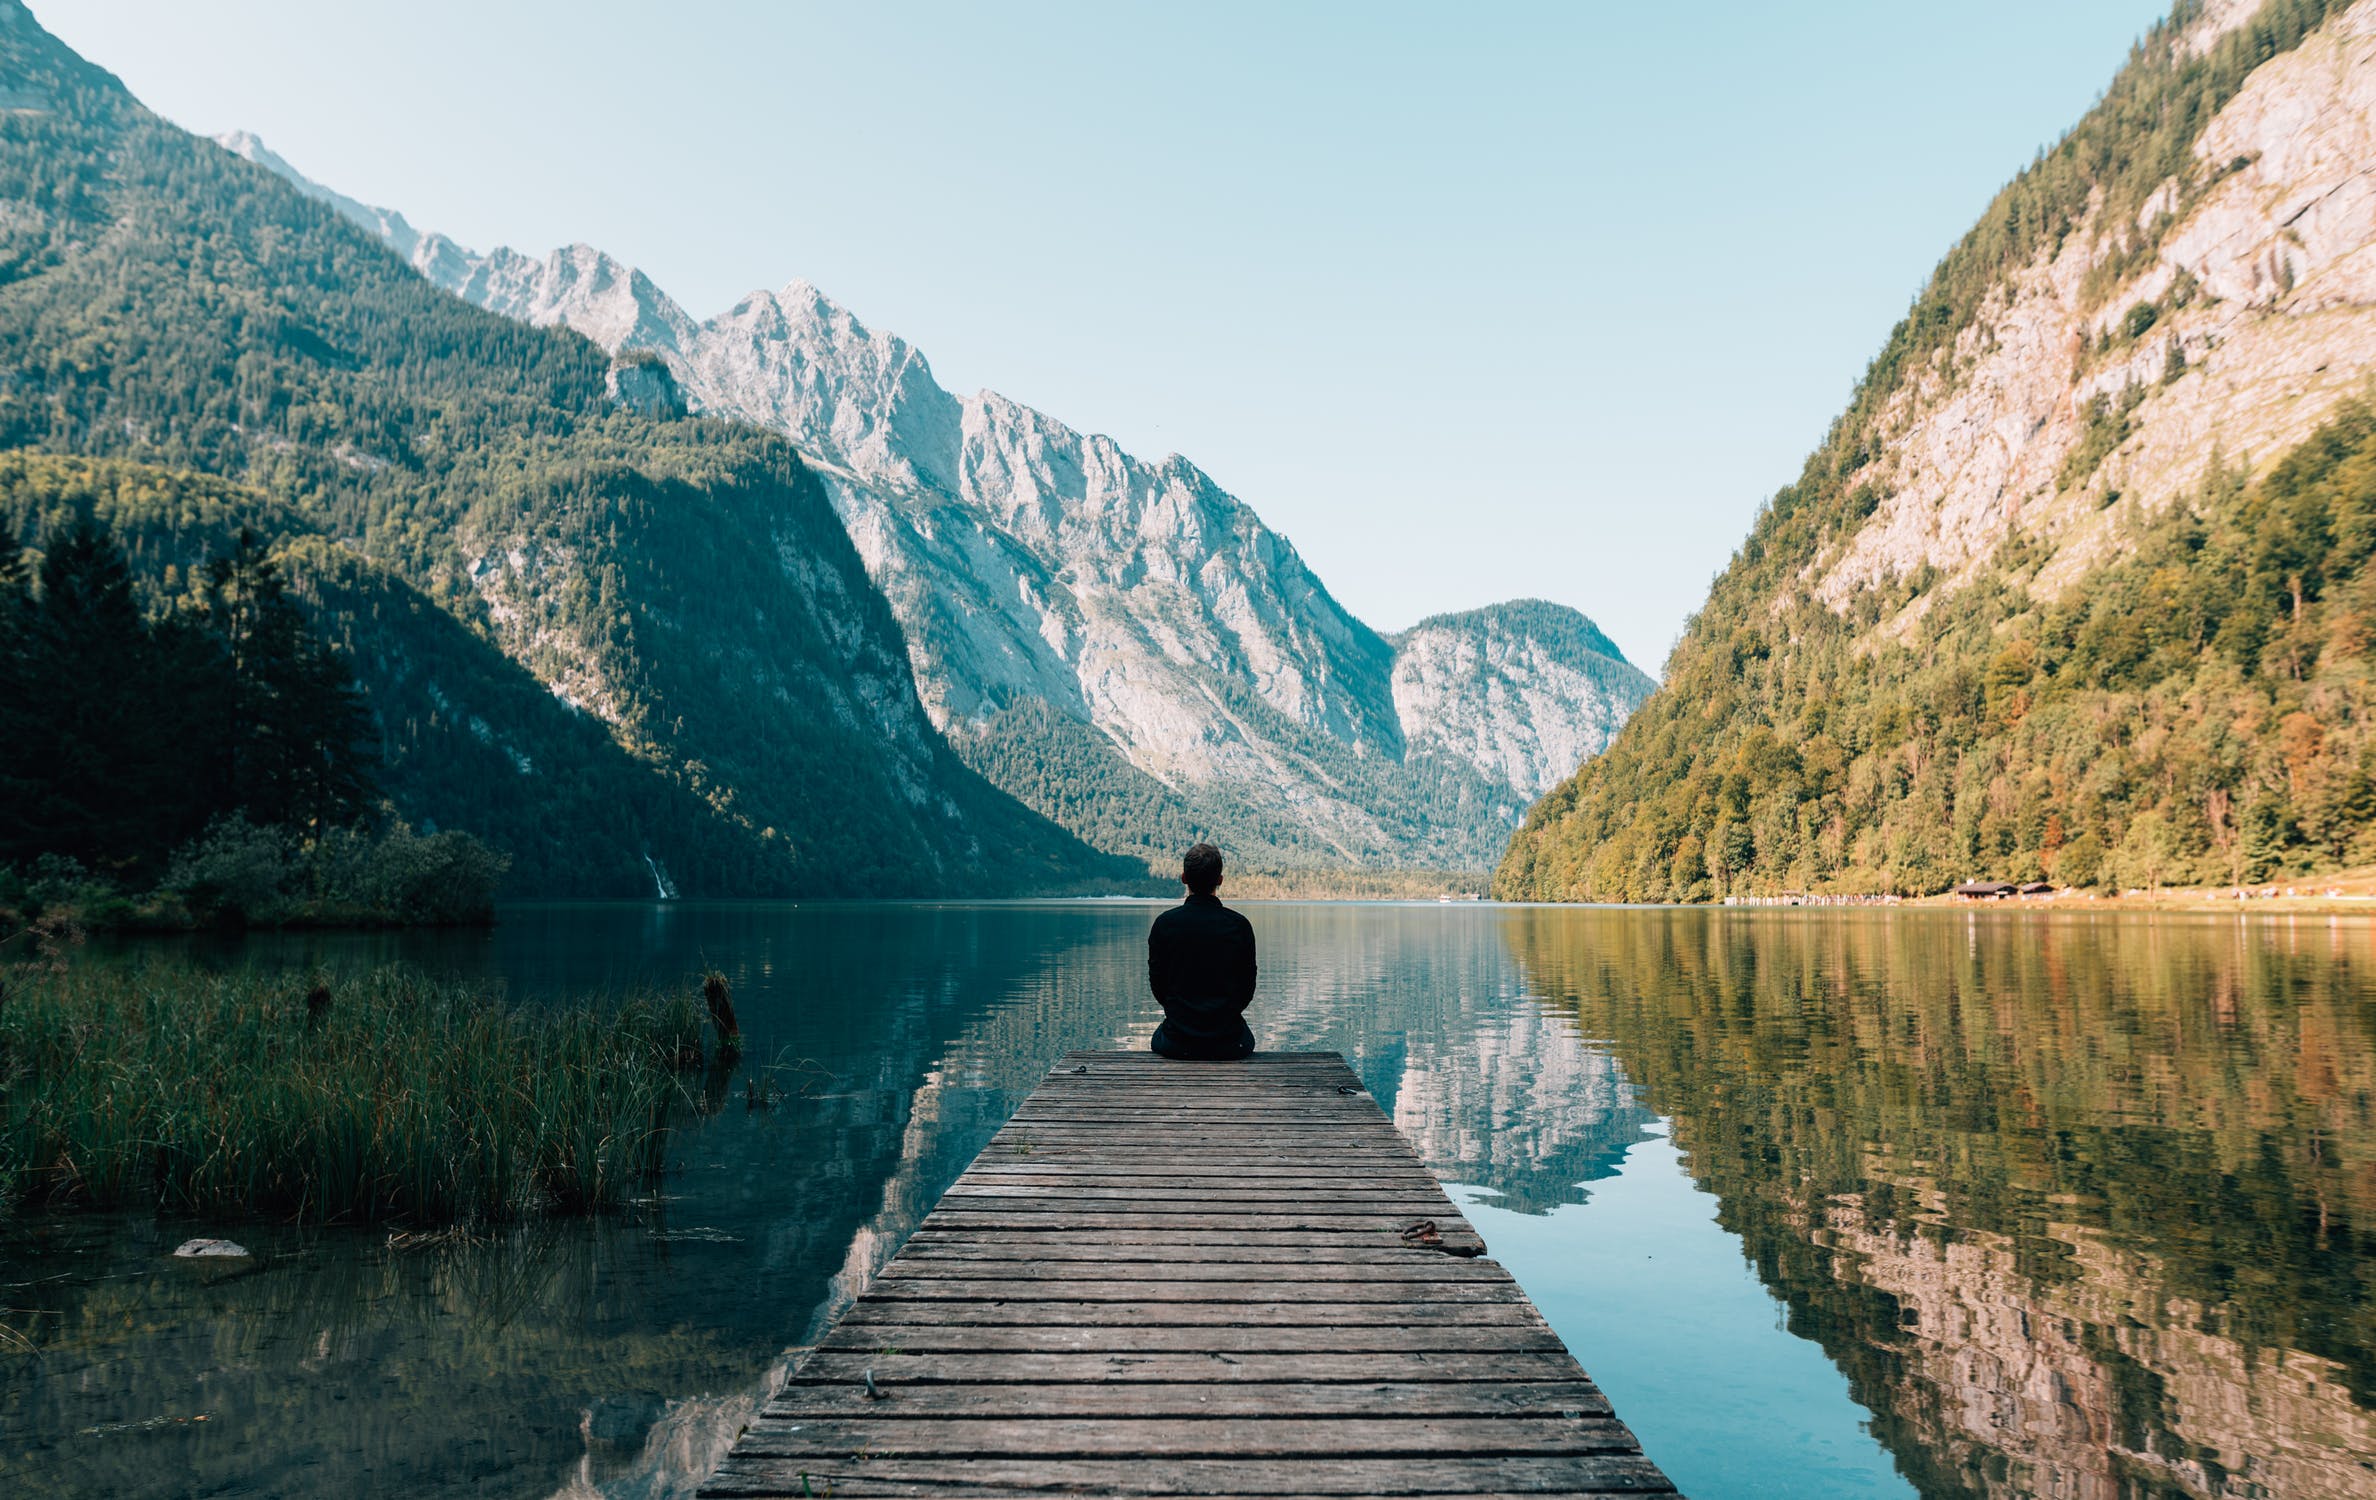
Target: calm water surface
1831,1203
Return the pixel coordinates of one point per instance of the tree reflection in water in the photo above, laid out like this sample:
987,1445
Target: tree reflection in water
2083,1207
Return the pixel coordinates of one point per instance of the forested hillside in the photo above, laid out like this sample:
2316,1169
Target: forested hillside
2076,588
437,690
617,643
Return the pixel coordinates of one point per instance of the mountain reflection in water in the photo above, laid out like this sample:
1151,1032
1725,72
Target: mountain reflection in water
2075,1207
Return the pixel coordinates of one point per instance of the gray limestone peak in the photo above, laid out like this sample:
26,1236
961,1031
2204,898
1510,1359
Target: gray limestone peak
1043,577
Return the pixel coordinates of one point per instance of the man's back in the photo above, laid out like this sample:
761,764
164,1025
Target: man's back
1200,964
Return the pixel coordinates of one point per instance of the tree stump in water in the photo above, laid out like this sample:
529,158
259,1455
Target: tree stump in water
720,1000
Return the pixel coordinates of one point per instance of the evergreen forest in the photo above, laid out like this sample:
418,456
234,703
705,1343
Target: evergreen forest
194,750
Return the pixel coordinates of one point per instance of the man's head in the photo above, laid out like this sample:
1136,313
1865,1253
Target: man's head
1200,870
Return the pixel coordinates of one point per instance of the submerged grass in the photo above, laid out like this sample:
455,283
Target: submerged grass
381,1096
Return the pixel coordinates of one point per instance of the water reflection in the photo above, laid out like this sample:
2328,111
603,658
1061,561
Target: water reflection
2083,1208
620,1359
2070,1208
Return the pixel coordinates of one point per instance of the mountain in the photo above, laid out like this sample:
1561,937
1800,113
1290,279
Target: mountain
1124,646
638,648
1525,691
2076,587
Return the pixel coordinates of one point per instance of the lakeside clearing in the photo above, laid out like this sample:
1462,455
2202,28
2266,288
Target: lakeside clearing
2350,892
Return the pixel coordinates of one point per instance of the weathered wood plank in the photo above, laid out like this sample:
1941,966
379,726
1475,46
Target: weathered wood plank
1455,1237
1153,1289
1082,1156
1188,1174
1110,1099
1029,1237
890,1437
1356,1113
1417,1191
1352,1183
1582,1474
1201,1370
1209,1206
1133,1245
1138,1367
1295,1268
1320,1154
1300,1399
1339,1123
1104,1058
1322,1101
1058,1217
942,1490
1152,1187
1165,1279
1151,1315
1135,1160
1346,1109
1411,1338
1315,1139
1343,1114
1315,1144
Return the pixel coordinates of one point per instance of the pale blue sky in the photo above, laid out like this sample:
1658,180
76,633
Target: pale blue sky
1472,302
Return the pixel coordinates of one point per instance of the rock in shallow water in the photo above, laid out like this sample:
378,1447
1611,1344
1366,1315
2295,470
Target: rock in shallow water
199,1249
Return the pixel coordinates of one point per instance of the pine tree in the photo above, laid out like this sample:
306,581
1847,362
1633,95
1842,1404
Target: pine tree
2264,838
298,752
17,722
94,767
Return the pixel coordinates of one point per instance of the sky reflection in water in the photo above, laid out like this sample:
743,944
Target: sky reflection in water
1833,1203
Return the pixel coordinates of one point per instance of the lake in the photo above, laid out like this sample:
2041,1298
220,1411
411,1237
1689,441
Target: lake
1832,1203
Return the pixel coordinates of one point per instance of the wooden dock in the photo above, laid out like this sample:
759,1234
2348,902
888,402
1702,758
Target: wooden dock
1218,1279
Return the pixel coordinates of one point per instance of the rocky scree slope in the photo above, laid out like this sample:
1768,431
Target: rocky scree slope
1124,646
2068,591
680,589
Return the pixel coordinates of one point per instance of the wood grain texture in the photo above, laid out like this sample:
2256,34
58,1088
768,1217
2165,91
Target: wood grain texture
1186,1279
1409,1336
1195,1370
846,1475
1195,1399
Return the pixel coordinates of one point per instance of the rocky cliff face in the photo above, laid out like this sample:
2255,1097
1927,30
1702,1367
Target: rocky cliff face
1526,692
2227,317
1035,567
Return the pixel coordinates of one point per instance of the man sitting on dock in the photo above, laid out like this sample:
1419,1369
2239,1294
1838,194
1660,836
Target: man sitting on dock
1200,963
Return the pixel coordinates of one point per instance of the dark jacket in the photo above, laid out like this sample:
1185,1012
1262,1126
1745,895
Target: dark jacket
1200,963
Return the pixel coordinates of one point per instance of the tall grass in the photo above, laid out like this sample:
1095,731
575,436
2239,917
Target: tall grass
391,1096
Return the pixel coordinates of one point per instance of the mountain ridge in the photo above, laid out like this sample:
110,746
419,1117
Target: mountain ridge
683,583
1029,562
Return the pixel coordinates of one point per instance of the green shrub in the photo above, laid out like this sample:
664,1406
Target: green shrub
236,874
239,874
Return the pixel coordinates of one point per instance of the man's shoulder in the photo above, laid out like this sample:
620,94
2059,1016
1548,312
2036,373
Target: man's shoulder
1201,915
1228,920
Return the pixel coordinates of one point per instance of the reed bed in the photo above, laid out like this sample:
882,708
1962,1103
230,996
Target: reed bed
383,1096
